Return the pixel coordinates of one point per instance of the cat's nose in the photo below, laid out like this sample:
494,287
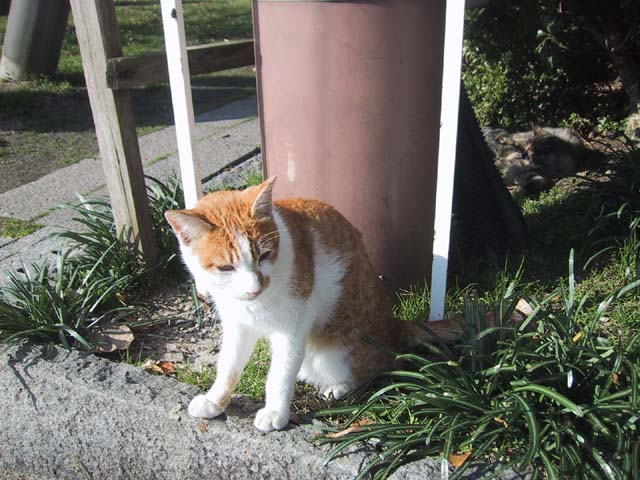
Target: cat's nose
254,294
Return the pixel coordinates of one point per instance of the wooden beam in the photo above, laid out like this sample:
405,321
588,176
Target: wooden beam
97,31
129,72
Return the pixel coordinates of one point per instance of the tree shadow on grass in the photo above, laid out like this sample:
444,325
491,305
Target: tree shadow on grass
558,222
51,111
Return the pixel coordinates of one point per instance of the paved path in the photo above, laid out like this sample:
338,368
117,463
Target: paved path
223,136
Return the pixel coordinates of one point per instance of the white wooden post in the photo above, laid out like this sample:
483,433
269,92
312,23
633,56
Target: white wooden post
451,72
180,81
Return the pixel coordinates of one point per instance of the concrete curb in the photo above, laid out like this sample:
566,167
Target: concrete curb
73,415
79,416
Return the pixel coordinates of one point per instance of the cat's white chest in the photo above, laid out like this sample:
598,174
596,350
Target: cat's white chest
274,310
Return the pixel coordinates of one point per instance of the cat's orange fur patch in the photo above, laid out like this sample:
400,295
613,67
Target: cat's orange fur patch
230,215
363,309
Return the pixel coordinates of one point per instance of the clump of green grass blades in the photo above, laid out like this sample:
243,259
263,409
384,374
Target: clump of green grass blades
98,247
90,282
549,396
163,197
58,304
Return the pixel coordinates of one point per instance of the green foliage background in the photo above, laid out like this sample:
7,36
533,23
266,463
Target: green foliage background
545,62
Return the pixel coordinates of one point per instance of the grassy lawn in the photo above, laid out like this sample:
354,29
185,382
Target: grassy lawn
46,123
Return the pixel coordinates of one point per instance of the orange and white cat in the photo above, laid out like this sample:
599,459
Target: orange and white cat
296,272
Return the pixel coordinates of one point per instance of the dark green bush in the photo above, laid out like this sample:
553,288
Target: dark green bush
529,62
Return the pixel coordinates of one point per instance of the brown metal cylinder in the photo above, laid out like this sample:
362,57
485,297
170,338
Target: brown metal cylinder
349,95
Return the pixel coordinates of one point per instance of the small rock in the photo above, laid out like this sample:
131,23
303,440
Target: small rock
175,357
174,413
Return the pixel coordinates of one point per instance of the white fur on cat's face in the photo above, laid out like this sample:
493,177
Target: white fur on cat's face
246,280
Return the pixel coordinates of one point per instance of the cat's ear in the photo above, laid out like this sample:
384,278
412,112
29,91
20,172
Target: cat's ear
187,226
263,204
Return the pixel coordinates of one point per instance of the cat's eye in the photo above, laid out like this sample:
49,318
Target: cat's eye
226,268
265,255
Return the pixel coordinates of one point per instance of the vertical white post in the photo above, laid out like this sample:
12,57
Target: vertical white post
451,73
180,81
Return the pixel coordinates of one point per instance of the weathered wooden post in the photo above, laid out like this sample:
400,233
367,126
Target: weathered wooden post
32,42
99,39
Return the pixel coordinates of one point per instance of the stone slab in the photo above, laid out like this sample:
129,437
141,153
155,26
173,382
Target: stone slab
73,415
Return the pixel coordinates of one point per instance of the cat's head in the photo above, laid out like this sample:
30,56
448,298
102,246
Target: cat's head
229,241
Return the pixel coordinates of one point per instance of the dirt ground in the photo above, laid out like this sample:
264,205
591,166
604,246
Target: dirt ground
173,334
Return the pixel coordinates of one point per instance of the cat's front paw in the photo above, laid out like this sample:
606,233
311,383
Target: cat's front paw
268,420
202,407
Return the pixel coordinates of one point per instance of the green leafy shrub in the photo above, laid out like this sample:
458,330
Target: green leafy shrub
92,281
58,304
96,247
551,394
529,62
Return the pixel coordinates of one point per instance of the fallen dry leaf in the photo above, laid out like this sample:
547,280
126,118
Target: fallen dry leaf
167,368
457,459
501,421
162,367
576,338
523,307
354,427
151,365
110,337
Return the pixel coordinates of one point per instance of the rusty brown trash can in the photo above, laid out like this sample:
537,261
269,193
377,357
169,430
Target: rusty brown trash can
349,98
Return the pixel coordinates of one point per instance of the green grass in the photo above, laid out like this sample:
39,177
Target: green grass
252,381
557,395
253,178
552,394
140,25
58,303
17,228
93,281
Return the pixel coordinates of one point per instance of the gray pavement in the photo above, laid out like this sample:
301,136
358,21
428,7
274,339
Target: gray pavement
223,137
72,415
